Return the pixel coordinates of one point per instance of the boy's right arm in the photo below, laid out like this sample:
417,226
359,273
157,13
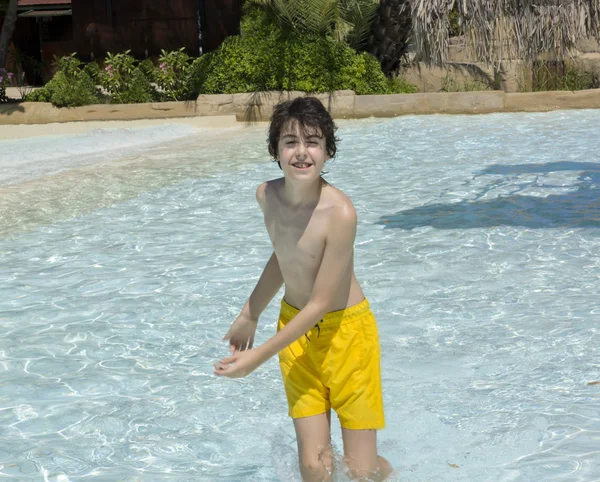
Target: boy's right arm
241,333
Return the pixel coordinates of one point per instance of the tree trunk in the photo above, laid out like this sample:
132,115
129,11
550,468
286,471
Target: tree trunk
8,27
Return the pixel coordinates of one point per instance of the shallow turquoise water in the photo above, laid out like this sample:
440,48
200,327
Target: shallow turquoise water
477,246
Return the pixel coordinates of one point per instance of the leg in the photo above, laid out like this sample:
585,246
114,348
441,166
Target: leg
360,455
314,447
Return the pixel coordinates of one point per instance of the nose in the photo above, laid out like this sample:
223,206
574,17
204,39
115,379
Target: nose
300,150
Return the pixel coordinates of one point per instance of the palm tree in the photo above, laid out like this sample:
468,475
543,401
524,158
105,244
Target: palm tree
345,20
8,27
507,29
390,33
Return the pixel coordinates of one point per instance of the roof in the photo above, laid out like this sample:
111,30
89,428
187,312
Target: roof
46,13
41,3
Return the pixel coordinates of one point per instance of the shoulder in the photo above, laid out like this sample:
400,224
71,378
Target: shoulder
263,190
341,213
260,193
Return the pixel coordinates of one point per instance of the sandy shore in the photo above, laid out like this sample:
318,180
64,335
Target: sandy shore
20,131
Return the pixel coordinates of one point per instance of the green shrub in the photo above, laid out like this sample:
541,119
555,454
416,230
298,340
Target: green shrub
39,95
576,78
267,57
545,75
198,72
64,91
147,67
399,85
71,86
69,65
93,70
125,79
118,69
172,73
451,84
6,79
138,89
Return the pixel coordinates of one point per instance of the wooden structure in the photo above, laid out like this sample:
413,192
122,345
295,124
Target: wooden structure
92,28
147,26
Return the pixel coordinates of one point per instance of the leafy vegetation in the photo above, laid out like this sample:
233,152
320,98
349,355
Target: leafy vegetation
268,56
554,75
6,79
347,21
451,84
124,80
172,72
71,86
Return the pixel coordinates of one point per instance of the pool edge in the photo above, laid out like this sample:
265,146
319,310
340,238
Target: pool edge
226,109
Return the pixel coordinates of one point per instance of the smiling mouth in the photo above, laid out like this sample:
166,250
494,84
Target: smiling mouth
301,165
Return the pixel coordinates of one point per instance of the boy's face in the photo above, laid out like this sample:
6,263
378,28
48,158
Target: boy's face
302,152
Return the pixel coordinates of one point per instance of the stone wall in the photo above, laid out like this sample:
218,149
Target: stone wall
342,104
464,73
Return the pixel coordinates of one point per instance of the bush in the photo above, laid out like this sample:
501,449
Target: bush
147,68
93,70
172,73
6,79
198,73
63,91
69,65
267,57
71,86
138,90
39,95
399,85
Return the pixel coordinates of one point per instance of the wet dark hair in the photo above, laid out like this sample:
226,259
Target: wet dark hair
310,114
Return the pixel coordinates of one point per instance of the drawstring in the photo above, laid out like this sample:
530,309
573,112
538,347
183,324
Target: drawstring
318,330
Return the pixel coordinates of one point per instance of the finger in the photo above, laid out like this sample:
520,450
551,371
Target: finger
232,349
225,373
227,336
228,371
250,343
228,360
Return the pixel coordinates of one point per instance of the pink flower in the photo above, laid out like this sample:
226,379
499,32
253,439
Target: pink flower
1,79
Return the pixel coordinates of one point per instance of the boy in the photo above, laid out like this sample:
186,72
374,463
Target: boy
326,338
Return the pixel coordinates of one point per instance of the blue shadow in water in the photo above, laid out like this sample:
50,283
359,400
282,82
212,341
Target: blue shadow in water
577,209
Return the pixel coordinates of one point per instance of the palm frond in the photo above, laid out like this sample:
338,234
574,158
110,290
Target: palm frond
505,29
343,19
360,16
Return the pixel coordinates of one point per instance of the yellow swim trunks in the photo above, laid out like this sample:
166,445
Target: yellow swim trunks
336,365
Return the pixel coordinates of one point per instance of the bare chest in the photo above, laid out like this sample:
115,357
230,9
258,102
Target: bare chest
298,240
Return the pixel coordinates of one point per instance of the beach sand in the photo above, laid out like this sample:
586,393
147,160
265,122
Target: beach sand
65,128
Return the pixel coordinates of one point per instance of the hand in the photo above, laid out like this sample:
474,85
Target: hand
241,334
240,364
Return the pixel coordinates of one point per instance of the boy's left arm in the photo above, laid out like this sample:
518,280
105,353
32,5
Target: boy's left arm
337,257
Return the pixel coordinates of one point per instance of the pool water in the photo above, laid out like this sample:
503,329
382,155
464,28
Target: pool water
122,267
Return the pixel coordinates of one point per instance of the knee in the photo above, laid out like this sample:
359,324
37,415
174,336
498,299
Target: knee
317,465
378,472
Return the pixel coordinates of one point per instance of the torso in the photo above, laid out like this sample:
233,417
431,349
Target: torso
298,237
